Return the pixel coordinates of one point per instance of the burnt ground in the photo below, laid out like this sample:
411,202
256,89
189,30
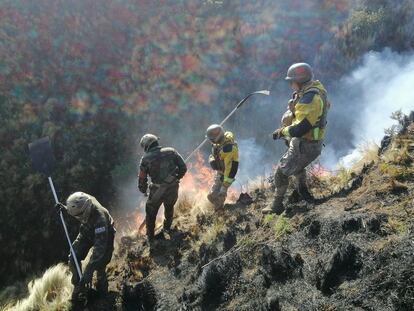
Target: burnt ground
352,250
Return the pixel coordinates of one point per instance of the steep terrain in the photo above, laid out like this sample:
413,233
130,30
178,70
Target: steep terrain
351,250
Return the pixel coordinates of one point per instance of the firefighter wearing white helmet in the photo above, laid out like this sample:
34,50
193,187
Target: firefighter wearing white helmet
97,232
224,159
165,167
303,127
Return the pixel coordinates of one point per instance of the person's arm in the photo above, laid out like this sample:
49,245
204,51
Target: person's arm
142,177
307,112
182,167
231,163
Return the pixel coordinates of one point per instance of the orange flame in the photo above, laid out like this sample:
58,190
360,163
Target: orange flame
199,179
318,170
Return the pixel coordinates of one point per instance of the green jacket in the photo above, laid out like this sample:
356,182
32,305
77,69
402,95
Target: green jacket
162,165
97,231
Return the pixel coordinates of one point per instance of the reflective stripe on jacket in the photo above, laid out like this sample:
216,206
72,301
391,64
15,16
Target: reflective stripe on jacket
227,154
311,107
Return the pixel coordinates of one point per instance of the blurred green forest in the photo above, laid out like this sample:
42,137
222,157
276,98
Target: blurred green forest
95,75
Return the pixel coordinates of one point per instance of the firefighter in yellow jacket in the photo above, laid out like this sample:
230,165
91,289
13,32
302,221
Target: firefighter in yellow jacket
224,159
304,131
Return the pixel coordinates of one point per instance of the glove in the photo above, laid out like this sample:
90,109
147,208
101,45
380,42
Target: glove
60,207
278,134
213,162
142,187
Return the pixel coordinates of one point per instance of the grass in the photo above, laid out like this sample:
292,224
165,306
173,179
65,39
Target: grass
50,292
396,171
212,233
282,227
397,226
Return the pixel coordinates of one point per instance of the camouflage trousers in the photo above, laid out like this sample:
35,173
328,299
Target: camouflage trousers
216,196
299,155
81,250
166,194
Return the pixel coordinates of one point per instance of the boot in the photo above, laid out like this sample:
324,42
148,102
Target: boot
306,195
211,198
275,208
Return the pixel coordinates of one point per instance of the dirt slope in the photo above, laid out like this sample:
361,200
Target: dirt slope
352,250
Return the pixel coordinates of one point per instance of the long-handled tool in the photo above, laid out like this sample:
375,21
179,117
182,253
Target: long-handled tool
263,92
239,104
43,161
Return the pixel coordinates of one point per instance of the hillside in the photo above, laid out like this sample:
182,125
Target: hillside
352,250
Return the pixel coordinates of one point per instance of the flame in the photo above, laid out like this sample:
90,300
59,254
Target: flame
318,170
197,182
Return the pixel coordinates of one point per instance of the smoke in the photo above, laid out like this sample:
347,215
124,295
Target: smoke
254,161
365,99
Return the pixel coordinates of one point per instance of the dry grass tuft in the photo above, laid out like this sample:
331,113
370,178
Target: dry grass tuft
49,293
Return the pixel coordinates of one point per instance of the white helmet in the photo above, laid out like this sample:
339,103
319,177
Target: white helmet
147,140
215,133
79,205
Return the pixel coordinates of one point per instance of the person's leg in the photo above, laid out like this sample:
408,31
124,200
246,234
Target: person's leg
309,151
281,185
302,186
151,210
286,167
101,277
214,193
170,199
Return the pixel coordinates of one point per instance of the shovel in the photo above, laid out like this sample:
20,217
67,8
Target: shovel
43,161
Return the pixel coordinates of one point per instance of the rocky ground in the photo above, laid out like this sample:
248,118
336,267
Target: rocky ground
352,250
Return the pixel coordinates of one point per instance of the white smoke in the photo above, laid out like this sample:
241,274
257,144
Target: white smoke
253,161
381,85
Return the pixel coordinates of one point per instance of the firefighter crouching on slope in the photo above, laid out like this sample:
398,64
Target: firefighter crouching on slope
97,232
225,160
165,167
303,127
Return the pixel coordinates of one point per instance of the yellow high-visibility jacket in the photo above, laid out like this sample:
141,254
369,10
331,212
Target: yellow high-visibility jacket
226,155
311,107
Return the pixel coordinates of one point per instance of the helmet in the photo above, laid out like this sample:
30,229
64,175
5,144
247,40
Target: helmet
147,140
215,133
300,73
79,205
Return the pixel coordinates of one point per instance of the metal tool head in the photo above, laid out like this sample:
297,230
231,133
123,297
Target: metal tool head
42,157
264,92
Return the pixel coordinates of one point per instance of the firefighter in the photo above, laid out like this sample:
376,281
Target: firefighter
224,159
165,167
303,127
97,232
